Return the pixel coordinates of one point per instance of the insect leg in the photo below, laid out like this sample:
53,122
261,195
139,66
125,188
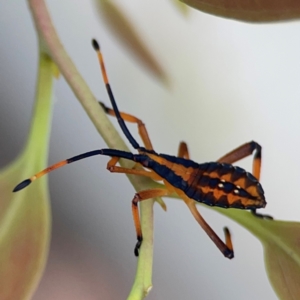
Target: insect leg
132,119
140,172
242,152
226,248
138,197
111,166
183,151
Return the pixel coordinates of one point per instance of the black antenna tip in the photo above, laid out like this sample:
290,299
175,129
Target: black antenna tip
95,45
22,185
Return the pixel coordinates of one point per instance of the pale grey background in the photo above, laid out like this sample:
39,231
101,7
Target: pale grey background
231,83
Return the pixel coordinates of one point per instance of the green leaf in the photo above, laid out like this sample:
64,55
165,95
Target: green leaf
125,31
25,216
281,242
249,11
283,263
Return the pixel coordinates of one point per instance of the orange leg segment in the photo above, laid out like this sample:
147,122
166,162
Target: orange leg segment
111,166
138,197
226,248
183,151
132,119
242,152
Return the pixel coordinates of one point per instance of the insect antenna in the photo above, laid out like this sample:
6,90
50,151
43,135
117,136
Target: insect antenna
121,122
106,152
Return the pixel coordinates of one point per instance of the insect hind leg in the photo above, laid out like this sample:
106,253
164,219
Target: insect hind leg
226,248
242,152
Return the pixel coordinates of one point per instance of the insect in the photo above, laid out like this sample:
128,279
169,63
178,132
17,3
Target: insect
216,183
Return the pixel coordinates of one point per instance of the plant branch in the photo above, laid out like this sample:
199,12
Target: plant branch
55,49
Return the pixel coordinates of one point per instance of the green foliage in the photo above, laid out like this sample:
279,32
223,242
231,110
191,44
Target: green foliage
25,216
281,244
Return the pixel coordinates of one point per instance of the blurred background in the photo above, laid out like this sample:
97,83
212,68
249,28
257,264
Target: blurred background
228,83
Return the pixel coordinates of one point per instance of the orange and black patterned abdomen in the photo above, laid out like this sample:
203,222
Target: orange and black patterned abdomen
220,184
215,184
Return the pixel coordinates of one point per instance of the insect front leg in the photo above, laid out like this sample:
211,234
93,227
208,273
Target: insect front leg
132,119
111,166
138,197
242,152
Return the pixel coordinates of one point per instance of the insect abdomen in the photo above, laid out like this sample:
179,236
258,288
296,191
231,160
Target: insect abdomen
224,185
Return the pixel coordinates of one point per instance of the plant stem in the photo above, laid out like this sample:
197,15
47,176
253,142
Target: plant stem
55,49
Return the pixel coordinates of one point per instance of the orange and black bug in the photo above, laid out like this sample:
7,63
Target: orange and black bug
214,183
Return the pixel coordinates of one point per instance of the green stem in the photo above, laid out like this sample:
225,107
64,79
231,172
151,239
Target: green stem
47,33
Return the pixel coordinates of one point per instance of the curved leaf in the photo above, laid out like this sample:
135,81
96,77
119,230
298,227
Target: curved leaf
281,241
25,216
250,11
283,267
